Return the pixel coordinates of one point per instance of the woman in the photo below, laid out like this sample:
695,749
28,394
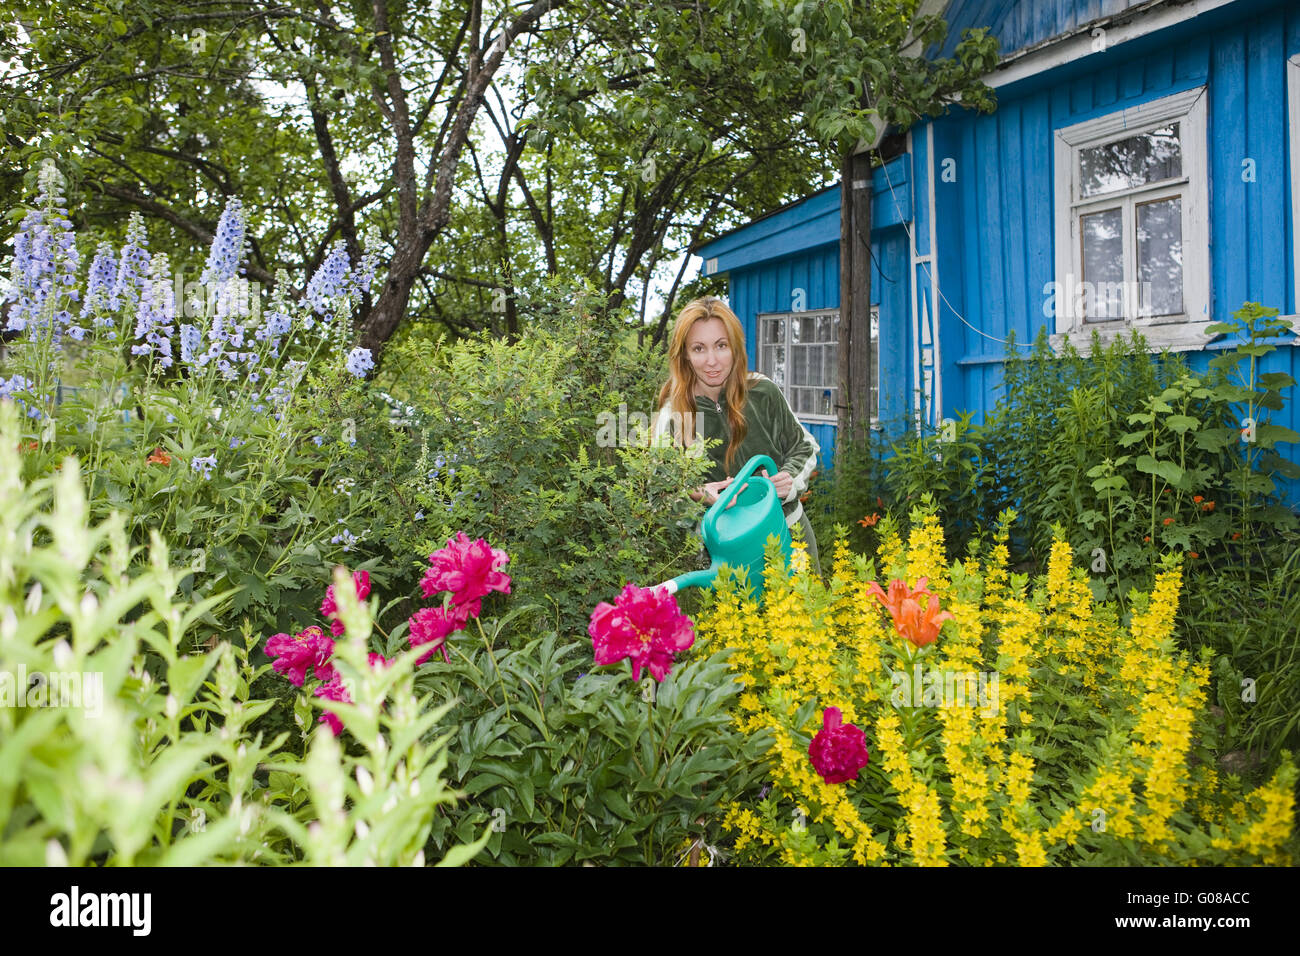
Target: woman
710,393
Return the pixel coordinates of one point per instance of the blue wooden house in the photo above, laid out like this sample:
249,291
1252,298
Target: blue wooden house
1142,169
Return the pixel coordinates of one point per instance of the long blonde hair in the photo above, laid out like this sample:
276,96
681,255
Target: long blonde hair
679,390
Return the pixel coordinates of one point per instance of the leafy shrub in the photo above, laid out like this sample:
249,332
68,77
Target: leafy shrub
235,425
566,765
1082,740
523,448
148,755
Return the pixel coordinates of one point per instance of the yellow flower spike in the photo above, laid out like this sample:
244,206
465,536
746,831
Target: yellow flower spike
889,552
812,645
926,557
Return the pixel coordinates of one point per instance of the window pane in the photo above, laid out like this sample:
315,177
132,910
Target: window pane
815,365
799,374
771,330
1160,256
1134,161
828,329
776,364
1103,264
808,331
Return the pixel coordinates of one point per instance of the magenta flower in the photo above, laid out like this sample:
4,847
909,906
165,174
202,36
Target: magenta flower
470,570
309,648
329,607
839,750
334,690
644,625
433,625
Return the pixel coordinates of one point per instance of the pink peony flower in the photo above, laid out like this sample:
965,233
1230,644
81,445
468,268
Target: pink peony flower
470,570
839,750
643,624
334,690
433,625
307,649
329,607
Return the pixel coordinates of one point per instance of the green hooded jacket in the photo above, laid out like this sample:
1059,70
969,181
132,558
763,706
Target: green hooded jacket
773,430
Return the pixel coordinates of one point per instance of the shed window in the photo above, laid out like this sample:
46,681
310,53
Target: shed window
800,352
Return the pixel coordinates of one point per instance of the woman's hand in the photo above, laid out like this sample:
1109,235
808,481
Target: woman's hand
708,493
783,483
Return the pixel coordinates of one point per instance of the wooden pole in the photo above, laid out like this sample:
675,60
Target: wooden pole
854,366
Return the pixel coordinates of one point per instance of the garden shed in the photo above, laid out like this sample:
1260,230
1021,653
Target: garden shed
1142,170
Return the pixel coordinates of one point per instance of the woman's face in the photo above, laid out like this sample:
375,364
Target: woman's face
709,352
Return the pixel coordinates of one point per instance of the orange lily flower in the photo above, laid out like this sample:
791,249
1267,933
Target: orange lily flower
898,593
159,457
869,521
919,626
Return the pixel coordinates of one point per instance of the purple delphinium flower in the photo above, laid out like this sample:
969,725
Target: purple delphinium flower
155,313
363,277
359,362
330,279
191,339
205,464
132,265
227,246
44,270
99,286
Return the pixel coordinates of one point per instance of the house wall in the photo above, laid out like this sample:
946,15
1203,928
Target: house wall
1003,193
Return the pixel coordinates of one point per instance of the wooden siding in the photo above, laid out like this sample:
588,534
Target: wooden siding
1003,194
1019,24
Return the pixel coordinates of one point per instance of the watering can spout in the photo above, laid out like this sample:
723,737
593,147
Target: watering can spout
692,579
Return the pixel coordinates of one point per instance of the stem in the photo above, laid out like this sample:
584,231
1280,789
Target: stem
500,683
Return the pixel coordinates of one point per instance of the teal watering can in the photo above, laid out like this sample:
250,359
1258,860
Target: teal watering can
737,535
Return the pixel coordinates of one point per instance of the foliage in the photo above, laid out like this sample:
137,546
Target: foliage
371,123
528,445
1078,739
134,746
567,765
236,425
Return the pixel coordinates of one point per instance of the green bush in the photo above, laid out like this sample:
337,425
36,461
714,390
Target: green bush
522,447
148,754
568,763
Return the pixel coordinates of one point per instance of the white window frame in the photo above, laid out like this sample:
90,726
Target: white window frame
786,388
1180,332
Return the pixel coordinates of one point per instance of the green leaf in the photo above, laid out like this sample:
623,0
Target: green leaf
460,855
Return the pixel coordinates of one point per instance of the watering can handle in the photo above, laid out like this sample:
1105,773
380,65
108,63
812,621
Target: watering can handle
733,489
